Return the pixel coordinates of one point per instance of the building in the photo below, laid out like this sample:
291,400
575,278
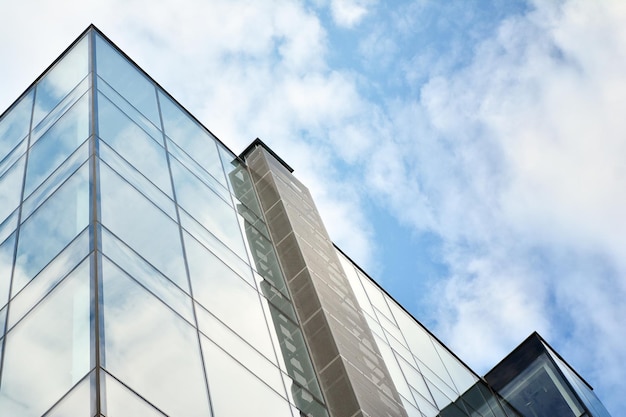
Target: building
146,270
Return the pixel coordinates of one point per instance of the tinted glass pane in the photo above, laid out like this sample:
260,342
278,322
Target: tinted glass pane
127,80
142,226
235,392
10,189
61,79
48,352
191,137
44,234
14,124
57,143
227,296
133,144
151,349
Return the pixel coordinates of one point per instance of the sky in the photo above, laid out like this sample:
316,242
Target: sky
468,154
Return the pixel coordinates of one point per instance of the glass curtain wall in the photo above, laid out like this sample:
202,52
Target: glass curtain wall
136,278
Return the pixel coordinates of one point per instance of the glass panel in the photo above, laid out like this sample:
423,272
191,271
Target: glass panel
394,369
130,111
10,189
61,79
48,352
415,379
58,176
57,143
146,275
14,155
51,275
191,137
227,296
142,226
122,402
462,377
15,124
217,247
8,226
127,80
197,170
76,403
133,144
6,264
44,234
235,392
137,180
232,343
207,208
150,348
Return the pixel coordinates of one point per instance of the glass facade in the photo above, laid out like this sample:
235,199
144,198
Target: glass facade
146,270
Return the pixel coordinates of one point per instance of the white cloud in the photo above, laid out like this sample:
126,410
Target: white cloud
349,13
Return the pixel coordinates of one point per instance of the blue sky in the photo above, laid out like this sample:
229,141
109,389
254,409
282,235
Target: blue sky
468,154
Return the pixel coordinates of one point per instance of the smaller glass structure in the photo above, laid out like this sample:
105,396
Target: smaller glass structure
539,383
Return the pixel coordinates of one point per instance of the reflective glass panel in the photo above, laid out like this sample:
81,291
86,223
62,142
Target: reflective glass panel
10,189
57,144
207,208
57,221
141,225
191,137
76,403
147,275
122,402
133,144
151,349
7,249
127,80
49,277
227,296
15,124
61,79
48,352
235,392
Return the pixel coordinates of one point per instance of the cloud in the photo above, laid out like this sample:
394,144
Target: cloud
349,13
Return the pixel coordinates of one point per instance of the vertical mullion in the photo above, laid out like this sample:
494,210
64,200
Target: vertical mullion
95,243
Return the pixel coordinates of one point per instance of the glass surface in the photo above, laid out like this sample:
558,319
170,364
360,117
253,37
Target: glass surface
76,403
147,275
48,352
241,351
122,402
415,379
10,189
15,124
394,369
7,249
462,377
151,349
217,247
50,276
57,144
130,111
235,392
126,79
8,226
48,187
14,155
141,225
197,170
217,216
355,284
227,296
137,179
191,137
55,223
133,144
61,79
